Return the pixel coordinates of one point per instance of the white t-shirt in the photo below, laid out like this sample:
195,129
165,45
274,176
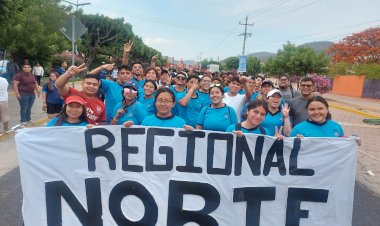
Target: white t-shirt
38,70
236,102
3,89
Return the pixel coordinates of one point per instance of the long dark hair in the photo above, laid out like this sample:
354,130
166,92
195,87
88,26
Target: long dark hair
63,116
323,101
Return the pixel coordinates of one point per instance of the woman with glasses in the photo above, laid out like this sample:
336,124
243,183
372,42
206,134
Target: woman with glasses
217,116
164,102
150,87
129,111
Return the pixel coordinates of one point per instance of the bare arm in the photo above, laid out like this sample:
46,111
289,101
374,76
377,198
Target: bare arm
108,67
185,100
62,80
287,126
127,49
15,87
248,91
153,61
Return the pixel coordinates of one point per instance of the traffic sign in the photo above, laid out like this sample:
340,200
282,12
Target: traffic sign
73,28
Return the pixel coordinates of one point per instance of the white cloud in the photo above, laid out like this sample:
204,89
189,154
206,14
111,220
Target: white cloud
151,41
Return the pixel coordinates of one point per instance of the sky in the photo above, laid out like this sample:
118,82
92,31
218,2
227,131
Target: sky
209,29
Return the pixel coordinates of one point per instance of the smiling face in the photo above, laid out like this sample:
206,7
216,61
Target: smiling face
149,89
53,77
266,88
164,104
274,101
216,95
205,83
137,69
317,111
307,88
74,110
234,86
256,115
151,75
90,86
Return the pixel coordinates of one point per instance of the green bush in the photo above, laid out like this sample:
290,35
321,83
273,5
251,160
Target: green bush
371,71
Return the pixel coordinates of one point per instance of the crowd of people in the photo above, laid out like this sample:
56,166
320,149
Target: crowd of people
154,96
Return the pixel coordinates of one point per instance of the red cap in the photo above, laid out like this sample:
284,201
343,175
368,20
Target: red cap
76,99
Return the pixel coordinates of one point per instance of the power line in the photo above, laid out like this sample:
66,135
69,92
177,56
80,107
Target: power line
270,7
287,12
324,32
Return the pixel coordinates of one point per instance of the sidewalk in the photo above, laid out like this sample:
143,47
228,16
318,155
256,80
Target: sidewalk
368,108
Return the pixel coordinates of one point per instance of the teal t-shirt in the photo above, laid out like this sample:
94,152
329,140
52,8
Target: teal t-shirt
271,121
135,112
170,122
148,104
65,123
255,130
113,97
217,119
308,128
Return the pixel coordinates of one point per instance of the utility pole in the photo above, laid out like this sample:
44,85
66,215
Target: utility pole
245,34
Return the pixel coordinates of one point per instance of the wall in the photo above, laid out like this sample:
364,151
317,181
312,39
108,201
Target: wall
348,85
371,88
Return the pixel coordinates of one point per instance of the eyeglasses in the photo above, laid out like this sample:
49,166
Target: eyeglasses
128,90
215,84
307,86
161,101
181,78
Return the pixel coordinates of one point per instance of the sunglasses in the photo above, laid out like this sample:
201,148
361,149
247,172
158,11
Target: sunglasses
214,85
128,90
181,78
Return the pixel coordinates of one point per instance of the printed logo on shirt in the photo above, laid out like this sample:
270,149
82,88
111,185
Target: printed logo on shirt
226,116
130,115
99,109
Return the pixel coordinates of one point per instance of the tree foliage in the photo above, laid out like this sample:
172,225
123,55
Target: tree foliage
294,60
362,47
106,37
230,63
253,65
32,30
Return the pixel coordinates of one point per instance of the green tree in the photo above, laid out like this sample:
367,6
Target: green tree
253,65
32,31
294,60
231,63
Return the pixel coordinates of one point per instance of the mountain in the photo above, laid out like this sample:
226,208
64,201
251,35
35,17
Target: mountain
262,56
318,47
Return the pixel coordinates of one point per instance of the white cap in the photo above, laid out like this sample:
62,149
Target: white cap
273,91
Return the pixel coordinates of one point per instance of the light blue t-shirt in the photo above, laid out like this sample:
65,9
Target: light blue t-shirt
205,97
191,111
255,130
308,128
148,104
170,122
65,123
217,119
135,112
113,92
175,109
140,82
272,120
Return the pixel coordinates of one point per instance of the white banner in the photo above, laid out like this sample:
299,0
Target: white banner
158,176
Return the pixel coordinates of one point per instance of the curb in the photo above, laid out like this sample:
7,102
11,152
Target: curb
364,114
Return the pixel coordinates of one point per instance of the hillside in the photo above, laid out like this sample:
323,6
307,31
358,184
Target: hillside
318,47
262,56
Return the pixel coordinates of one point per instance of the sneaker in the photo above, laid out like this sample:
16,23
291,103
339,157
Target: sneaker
6,131
30,123
17,127
24,124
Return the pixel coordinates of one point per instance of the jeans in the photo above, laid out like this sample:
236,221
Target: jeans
26,104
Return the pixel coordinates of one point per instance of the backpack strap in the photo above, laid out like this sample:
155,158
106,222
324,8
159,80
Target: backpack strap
262,130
